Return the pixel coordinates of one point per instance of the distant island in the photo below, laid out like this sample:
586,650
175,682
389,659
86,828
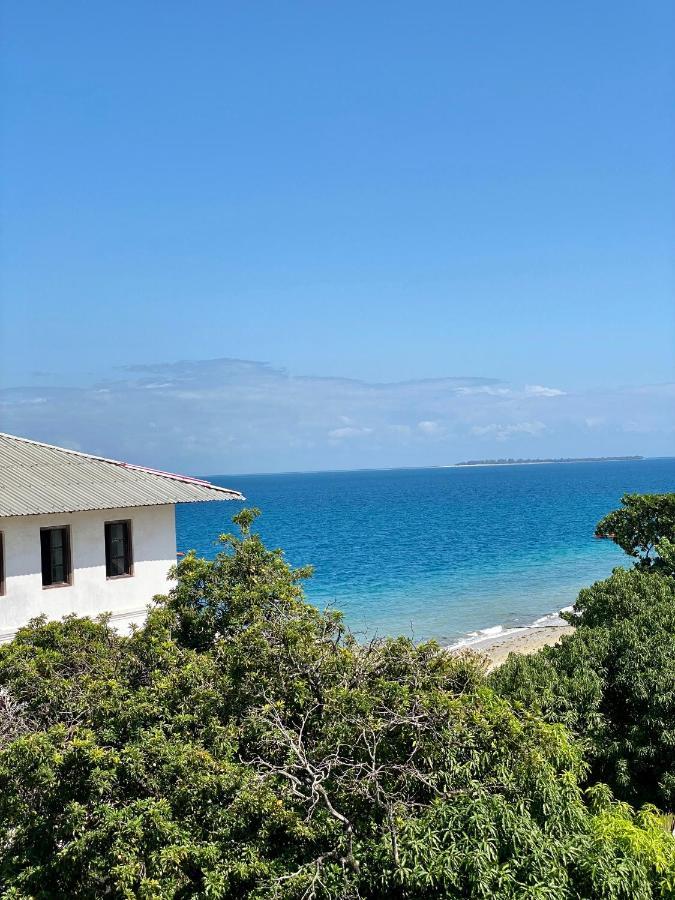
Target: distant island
561,459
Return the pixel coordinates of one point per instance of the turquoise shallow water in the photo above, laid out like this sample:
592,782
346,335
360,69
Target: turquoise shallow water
438,552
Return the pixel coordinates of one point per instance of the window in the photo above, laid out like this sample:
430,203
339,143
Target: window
56,567
2,564
118,557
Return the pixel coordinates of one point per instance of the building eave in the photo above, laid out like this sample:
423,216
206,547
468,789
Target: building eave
41,479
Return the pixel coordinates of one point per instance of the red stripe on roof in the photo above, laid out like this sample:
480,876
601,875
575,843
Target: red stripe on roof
174,475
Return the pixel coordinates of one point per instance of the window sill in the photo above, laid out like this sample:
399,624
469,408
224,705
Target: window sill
118,577
59,584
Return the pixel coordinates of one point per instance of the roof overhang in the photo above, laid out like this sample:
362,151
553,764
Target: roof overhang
38,479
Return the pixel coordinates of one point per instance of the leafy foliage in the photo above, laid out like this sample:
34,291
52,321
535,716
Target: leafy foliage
243,745
612,681
644,528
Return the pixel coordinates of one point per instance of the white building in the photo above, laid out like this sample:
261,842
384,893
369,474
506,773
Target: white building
83,534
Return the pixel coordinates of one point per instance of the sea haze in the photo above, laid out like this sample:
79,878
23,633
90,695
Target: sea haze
438,552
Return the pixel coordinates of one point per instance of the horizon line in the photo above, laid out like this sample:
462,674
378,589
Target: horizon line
422,468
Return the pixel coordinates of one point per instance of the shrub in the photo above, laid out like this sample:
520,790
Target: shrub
243,745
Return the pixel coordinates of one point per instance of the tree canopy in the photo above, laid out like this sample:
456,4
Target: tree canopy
243,744
643,528
612,682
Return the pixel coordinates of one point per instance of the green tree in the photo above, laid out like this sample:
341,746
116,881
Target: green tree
644,522
244,745
612,682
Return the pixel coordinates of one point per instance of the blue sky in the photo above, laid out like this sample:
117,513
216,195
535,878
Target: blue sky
381,192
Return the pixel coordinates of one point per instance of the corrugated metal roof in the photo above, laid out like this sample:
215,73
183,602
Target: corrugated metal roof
39,478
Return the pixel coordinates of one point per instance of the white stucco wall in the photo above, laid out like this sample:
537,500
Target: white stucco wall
91,593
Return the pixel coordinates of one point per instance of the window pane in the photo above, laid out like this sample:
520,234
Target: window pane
45,546
55,556
117,549
59,573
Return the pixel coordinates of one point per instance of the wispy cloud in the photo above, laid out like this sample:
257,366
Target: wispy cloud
348,431
230,415
429,427
503,432
538,390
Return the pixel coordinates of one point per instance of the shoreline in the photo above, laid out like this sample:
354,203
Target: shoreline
230,475
529,639
541,462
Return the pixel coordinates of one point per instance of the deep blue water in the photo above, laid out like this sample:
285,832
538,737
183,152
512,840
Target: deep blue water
438,552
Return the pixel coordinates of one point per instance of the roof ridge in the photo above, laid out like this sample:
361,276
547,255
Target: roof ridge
25,440
160,473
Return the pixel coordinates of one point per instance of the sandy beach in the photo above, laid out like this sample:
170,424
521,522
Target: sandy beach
527,640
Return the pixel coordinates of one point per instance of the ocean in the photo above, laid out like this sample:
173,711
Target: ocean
446,553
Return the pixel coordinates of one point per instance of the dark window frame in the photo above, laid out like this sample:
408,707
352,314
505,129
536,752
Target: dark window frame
129,550
3,584
67,558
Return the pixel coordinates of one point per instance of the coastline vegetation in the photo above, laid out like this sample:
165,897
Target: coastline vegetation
510,461
243,744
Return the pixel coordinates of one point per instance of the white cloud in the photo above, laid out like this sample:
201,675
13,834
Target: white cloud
504,432
24,401
538,390
228,415
490,390
348,431
429,427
